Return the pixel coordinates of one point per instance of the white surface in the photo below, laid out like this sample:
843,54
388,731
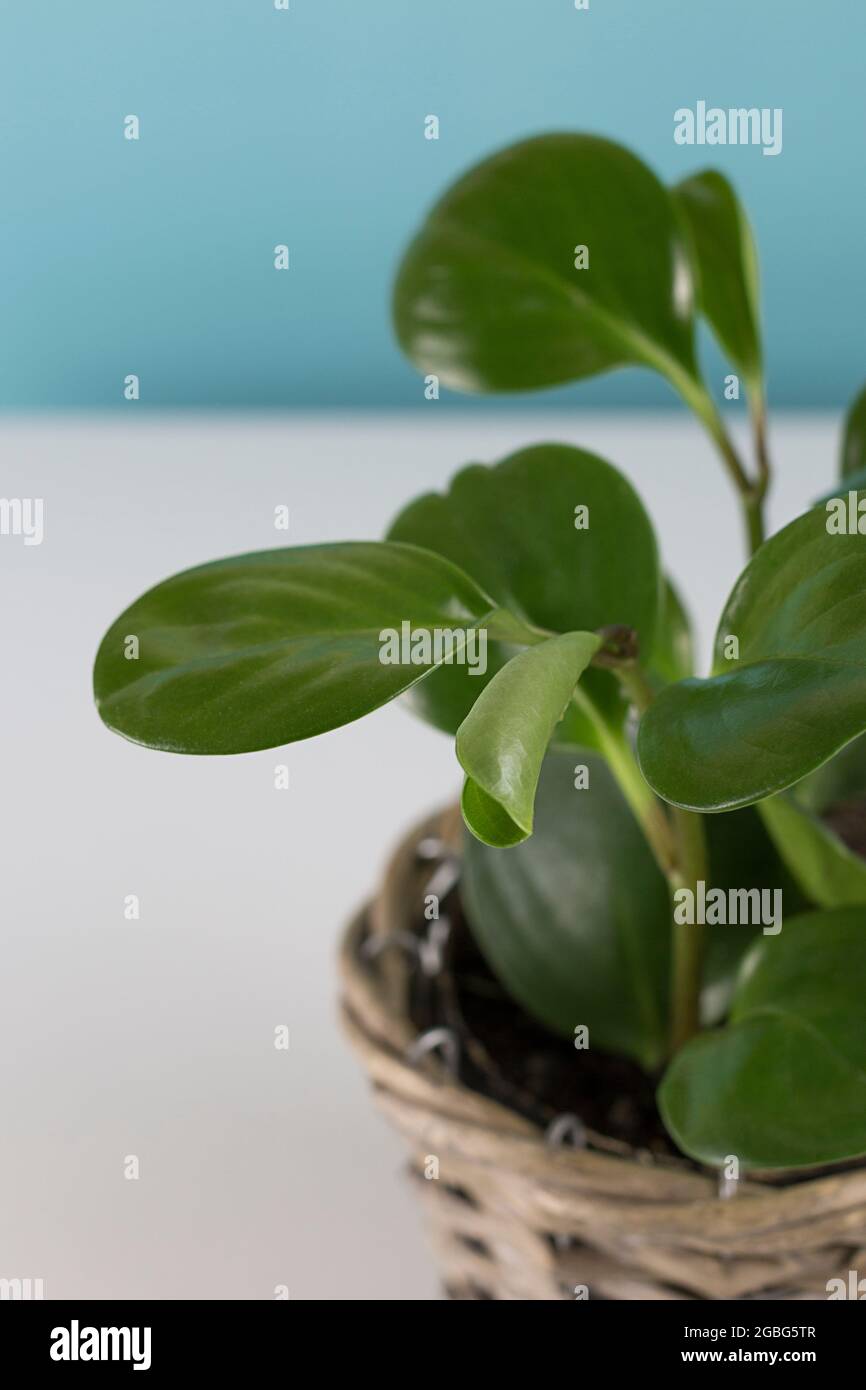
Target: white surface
155,1038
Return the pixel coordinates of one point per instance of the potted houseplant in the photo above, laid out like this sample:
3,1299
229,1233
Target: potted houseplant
620,1018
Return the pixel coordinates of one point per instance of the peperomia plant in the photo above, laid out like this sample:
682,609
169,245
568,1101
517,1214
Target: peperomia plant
636,830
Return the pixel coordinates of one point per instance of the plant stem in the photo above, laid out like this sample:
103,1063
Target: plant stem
753,513
751,493
687,938
645,806
759,431
681,853
637,687
755,501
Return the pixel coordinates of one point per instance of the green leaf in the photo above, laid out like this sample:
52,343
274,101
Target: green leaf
784,1084
829,872
742,856
808,823
447,695
576,921
512,527
725,268
795,695
264,649
852,464
503,740
489,298
841,780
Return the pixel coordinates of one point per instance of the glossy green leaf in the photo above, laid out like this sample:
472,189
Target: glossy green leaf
447,695
502,742
264,649
576,921
512,527
725,266
852,462
795,694
813,823
783,1085
489,296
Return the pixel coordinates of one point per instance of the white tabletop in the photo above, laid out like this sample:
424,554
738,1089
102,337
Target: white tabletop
155,1038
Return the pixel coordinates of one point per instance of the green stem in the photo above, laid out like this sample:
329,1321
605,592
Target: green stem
751,493
688,938
637,687
647,809
681,853
759,431
753,512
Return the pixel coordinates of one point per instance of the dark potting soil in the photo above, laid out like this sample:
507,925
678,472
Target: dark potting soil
505,1054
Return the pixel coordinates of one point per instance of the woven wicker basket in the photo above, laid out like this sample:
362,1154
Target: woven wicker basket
512,1217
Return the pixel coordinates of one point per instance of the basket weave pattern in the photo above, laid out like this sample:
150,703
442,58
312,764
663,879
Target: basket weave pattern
510,1217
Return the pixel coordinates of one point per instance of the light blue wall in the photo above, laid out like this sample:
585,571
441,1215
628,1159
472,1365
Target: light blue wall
259,126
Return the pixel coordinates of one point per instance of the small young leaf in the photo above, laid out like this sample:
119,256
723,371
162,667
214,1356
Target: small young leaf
783,1085
502,741
445,697
725,265
557,258
789,688
264,649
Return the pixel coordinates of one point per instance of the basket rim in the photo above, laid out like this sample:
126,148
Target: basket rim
427,1103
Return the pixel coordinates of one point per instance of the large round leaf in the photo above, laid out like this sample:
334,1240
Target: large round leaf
264,649
725,267
489,296
576,921
796,693
502,741
512,527
784,1084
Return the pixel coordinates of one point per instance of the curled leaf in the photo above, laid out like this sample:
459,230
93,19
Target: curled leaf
502,742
